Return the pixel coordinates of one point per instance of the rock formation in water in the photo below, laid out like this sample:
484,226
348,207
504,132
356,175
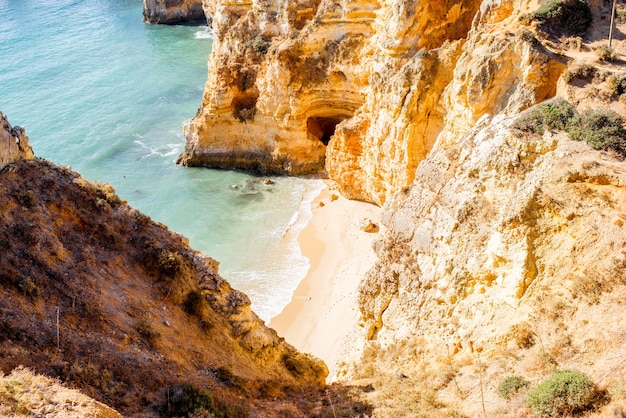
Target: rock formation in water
110,302
172,11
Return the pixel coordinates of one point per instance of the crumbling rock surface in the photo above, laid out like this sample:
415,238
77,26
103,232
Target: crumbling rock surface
360,89
492,224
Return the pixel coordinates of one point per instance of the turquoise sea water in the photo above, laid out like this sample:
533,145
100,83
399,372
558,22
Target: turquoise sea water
102,92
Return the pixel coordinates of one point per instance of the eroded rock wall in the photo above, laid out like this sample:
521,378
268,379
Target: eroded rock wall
172,11
487,221
362,89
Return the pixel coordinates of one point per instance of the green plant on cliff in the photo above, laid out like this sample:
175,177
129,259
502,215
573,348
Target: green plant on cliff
260,44
567,17
557,114
617,83
511,386
606,53
563,393
602,129
186,400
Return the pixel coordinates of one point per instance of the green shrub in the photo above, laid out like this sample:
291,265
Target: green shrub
568,17
226,376
556,114
564,392
606,53
620,15
617,83
28,287
530,122
260,45
602,129
186,399
511,386
582,72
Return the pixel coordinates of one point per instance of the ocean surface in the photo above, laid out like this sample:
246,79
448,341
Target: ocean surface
101,91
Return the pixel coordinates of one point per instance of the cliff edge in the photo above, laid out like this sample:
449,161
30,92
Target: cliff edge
96,294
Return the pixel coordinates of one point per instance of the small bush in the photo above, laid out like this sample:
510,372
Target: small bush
556,114
606,53
26,198
564,392
170,263
583,72
193,303
186,400
617,84
620,15
568,17
28,287
260,45
226,376
602,129
574,42
532,122
511,386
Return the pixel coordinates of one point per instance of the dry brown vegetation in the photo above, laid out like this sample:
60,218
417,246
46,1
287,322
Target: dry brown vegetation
25,394
94,293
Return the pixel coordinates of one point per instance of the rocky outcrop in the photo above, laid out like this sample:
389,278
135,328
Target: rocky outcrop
360,89
13,143
172,11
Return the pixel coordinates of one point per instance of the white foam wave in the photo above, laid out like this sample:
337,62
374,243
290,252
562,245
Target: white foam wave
168,150
205,33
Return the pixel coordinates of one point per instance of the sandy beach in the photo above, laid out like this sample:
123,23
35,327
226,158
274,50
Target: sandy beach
322,316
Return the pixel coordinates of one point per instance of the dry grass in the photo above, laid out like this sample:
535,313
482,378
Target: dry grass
25,394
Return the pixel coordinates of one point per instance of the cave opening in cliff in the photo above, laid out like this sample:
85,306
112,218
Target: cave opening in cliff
323,128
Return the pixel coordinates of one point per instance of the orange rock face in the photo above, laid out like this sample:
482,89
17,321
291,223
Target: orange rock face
360,89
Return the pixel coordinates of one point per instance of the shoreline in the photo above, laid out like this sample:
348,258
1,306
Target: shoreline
322,316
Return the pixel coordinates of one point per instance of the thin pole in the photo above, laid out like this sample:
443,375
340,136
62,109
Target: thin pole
612,21
58,331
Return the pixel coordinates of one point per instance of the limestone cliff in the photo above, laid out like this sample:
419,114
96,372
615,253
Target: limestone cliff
100,296
172,11
506,256
362,89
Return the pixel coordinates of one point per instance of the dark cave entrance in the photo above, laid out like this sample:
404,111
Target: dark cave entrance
322,127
